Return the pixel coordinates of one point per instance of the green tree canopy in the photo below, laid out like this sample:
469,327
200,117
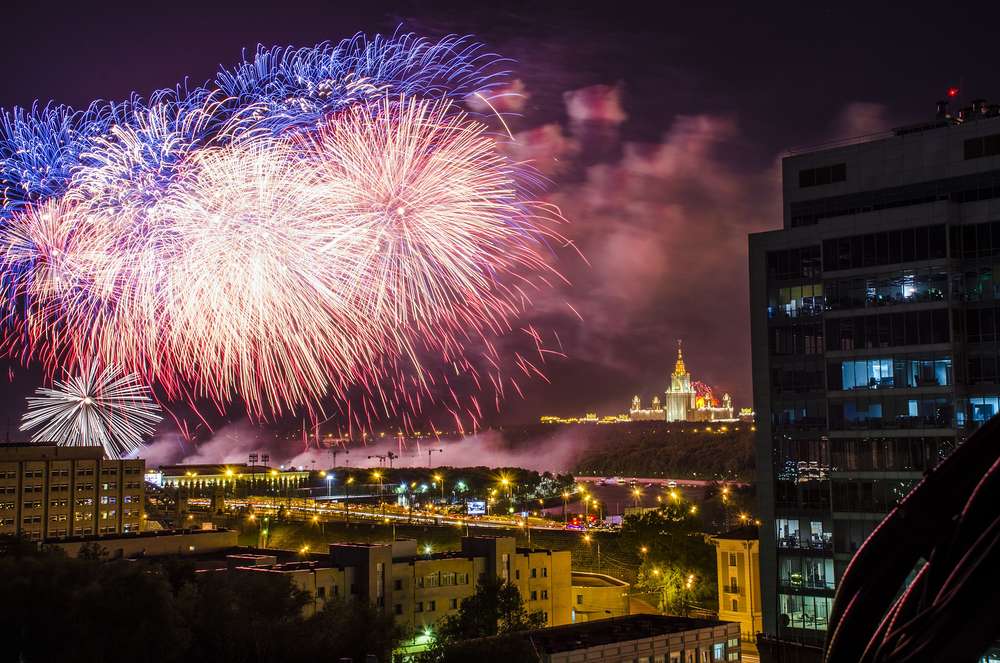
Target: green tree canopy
495,609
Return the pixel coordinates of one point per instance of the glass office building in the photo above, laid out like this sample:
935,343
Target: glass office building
875,315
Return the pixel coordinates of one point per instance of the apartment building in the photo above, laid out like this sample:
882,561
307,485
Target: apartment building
874,316
50,492
737,555
419,588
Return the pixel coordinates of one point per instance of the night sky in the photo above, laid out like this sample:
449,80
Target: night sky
659,128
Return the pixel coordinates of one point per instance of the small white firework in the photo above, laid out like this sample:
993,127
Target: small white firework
102,407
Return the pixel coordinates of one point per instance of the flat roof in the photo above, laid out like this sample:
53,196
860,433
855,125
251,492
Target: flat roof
617,629
29,451
744,533
584,579
216,469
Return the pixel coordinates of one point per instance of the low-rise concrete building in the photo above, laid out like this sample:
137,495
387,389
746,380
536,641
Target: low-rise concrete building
598,596
636,638
153,543
419,589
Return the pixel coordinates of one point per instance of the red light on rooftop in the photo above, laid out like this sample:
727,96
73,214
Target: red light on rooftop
953,92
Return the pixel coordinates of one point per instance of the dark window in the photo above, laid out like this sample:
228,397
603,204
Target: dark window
885,248
911,454
822,175
887,330
984,146
398,609
397,584
795,263
964,188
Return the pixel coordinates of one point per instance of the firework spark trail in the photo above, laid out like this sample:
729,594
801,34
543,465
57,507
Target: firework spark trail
327,222
103,407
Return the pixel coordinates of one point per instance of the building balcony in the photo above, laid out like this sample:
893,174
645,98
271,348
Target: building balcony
805,582
823,545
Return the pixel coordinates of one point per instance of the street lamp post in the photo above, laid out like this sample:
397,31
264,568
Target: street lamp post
440,481
347,501
381,502
565,497
329,484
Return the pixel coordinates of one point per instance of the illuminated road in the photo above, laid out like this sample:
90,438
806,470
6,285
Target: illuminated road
325,511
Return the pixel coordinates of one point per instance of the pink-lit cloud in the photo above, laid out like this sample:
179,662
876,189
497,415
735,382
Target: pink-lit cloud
510,98
596,103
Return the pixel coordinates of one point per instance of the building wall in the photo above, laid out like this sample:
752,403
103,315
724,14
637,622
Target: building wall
156,543
543,577
427,590
49,492
597,596
694,646
739,560
875,352
421,590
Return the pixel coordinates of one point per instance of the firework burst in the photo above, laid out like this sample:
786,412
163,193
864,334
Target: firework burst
101,407
326,221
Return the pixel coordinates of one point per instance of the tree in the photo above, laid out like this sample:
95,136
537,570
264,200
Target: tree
495,609
351,630
160,610
678,563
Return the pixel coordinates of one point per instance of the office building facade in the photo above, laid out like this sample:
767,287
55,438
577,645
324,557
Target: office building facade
874,317
49,492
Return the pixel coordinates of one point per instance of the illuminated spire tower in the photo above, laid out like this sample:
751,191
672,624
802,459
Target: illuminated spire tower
680,397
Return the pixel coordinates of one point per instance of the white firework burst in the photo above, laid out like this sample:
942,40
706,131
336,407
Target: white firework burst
102,407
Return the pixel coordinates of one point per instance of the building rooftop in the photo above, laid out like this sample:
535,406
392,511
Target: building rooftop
584,579
607,631
212,469
13,451
744,533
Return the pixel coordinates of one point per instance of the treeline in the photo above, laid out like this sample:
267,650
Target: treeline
663,450
57,608
462,481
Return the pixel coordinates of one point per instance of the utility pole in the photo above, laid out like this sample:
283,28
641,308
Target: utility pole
334,450
429,452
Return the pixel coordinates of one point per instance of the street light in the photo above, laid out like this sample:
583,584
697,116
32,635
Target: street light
636,493
329,484
440,481
347,501
565,497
